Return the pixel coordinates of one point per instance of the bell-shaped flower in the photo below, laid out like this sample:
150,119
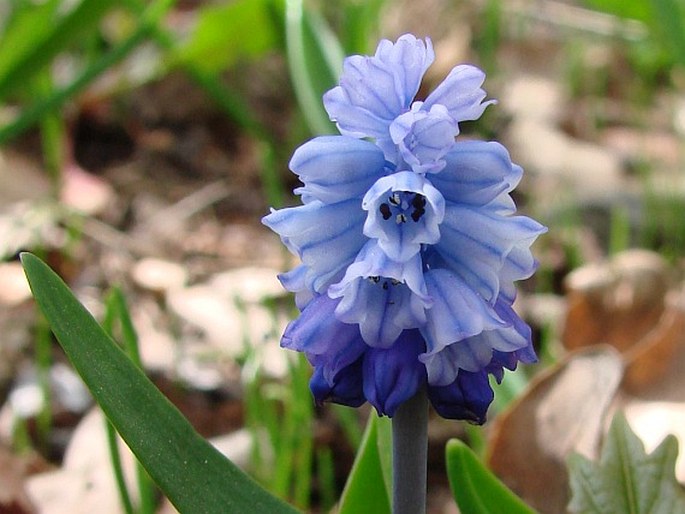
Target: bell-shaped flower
383,296
404,212
409,242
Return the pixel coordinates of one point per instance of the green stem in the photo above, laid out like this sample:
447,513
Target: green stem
43,357
409,455
118,469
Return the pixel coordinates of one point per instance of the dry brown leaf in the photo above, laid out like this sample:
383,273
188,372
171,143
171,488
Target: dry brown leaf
654,365
562,412
618,302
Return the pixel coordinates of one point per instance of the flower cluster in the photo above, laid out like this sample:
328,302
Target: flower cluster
408,242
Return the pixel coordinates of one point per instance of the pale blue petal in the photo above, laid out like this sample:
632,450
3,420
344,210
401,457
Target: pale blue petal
475,353
458,312
351,120
424,137
383,296
398,229
476,173
373,91
365,102
519,264
443,367
411,57
513,338
337,168
475,242
327,238
295,281
461,93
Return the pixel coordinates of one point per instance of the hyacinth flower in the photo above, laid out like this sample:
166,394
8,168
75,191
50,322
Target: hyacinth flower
408,241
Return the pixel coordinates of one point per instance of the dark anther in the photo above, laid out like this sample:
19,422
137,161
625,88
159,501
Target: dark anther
385,285
419,204
385,211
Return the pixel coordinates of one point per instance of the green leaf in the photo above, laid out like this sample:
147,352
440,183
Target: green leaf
226,33
148,20
20,66
626,479
360,25
29,24
315,59
190,471
366,489
384,443
475,488
669,18
635,10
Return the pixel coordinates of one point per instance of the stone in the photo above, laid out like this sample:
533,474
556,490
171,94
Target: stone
14,289
158,275
533,97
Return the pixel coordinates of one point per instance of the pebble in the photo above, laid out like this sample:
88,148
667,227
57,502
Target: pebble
158,275
562,163
86,193
533,97
14,289
249,284
85,482
207,309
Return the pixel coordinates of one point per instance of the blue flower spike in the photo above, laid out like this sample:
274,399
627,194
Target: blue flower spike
409,242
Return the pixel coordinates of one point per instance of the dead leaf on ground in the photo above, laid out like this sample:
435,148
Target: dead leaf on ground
563,411
631,304
617,302
655,363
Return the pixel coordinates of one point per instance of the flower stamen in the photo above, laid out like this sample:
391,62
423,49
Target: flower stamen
399,201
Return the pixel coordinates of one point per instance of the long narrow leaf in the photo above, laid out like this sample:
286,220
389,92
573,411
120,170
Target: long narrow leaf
314,67
191,472
670,26
28,24
475,489
365,490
